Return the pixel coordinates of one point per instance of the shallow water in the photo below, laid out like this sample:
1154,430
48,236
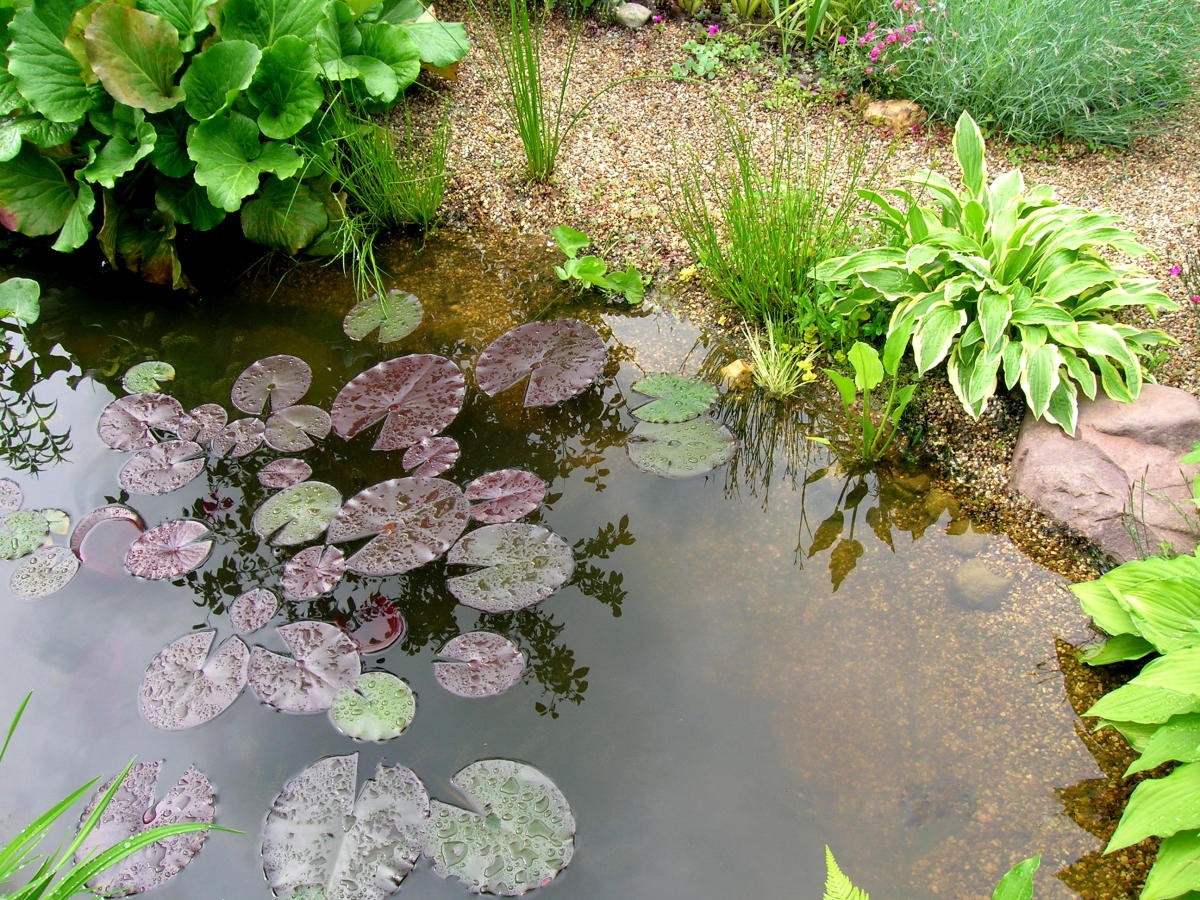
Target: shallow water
747,666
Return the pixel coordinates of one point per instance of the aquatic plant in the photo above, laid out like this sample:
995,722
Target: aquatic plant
677,397
876,429
1016,884
561,358
378,706
999,279
479,664
591,272
781,367
681,449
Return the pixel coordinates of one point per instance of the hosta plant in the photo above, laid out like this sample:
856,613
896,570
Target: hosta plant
1004,281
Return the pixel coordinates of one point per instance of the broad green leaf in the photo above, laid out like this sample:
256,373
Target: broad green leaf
680,397
372,83
994,313
285,215
391,45
145,376
170,146
868,370
1113,381
1166,611
1040,377
187,203
1075,279
1177,671
569,240
1080,371
187,16
286,90
379,706
46,74
230,160
19,300
263,22
920,255
934,334
1177,739
589,271
1161,806
628,283
1063,409
117,157
215,77
1175,872
1121,648
78,225
135,55
1012,363
968,150
844,267
396,315
844,386
1147,705
35,197
1017,883
439,43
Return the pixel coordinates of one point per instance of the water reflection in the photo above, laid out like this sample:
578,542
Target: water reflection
30,438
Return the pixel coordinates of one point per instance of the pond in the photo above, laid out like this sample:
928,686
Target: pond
747,664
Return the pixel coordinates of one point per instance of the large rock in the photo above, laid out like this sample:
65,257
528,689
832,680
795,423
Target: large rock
632,15
1120,470
898,115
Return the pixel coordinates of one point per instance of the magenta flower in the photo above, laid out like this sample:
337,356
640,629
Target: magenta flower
657,20
1194,299
1175,270
874,54
841,39
871,69
713,29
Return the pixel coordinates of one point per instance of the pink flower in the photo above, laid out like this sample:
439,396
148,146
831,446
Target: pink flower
713,29
1175,270
1193,299
871,27
871,69
841,39
892,38
911,28
657,20
874,54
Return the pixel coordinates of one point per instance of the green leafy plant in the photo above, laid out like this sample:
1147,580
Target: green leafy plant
704,60
1017,883
781,365
125,123
869,373
1001,279
591,272
72,877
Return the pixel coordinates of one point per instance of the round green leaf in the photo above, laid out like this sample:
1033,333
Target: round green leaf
263,22
680,397
285,89
377,707
135,55
145,376
297,514
215,77
396,315
19,300
285,215
680,450
47,75
517,565
22,532
230,159
43,573
35,197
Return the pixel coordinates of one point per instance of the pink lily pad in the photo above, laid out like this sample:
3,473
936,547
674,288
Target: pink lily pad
519,565
413,521
504,495
431,456
11,496
282,379
203,423
183,687
48,570
293,429
112,530
484,664
162,468
133,810
313,572
377,624
169,550
252,610
324,660
239,438
129,423
416,396
283,473
562,358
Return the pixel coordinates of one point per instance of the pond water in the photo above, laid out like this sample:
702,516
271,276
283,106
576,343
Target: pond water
747,665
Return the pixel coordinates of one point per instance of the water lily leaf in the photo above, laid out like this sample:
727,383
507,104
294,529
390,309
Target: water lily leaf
313,572
521,837
285,214
239,438
11,496
431,456
680,397
282,379
253,609
504,495
169,550
286,90
230,159
378,707
135,55
562,358
47,75
114,513
297,514
203,423
19,300
522,564
416,396
680,450
162,468
324,660
145,376
396,316
378,624
292,429
57,520
319,842
282,473
413,520
126,423
216,76
183,688
22,532
133,810
485,664
48,570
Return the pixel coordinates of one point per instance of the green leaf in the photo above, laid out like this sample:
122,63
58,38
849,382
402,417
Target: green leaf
135,55
170,146
19,300
146,376
187,16
628,283
396,316
379,706
1177,739
369,81
934,334
1075,279
1161,806
569,240
1017,883
994,313
118,156
46,74
589,271
78,225
1166,611
1064,406
837,885
1039,376
229,158
187,203
680,397
286,90
968,150
285,215
844,385
35,197
1146,704
1121,648
868,370
1175,872
439,43
216,77
843,267
263,22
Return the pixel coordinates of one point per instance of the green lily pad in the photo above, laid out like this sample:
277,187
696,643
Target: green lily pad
522,564
378,707
682,449
521,838
19,300
680,397
396,316
145,376
297,514
22,532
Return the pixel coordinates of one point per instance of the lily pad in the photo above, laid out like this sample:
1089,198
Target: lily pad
518,837
169,550
416,396
522,564
680,450
252,610
680,397
562,358
57,520
504,495
115,512
324,660
162,468
48,570
133,810
11,496
183,688
484,664
282,473
413,520
293,429
431,456
203,423
282,379
319,842
23,531
396,316
128,422
145,376
313,572
297,514
378,707
378,624
239,438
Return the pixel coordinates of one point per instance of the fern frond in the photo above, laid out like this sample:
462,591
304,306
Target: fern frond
837,885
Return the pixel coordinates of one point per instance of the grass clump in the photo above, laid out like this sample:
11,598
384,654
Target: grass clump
781,366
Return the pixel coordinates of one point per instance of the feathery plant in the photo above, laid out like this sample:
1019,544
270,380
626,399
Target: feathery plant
1017,883
20,851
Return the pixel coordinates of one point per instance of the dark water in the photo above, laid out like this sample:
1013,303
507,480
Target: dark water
747,666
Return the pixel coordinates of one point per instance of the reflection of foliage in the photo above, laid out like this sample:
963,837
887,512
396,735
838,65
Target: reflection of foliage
551,661
29,442
591,580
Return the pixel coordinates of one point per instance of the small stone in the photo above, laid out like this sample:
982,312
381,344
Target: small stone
632,15
978,585
738,375
897,115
